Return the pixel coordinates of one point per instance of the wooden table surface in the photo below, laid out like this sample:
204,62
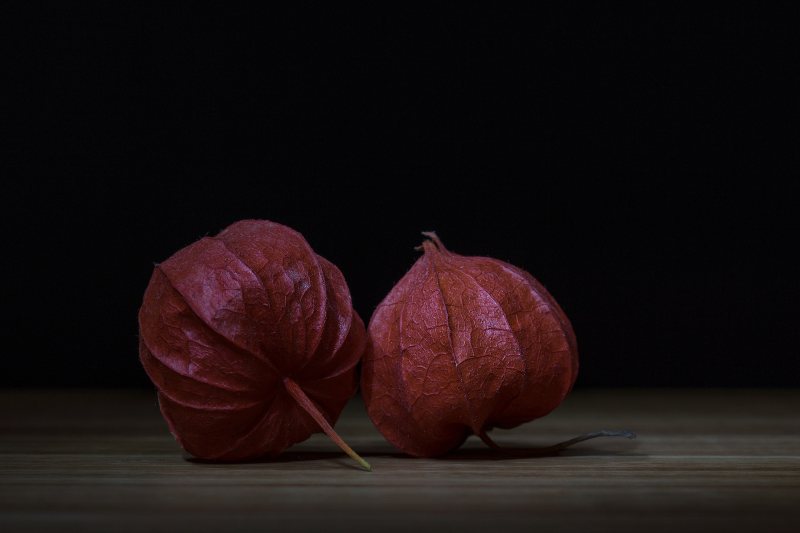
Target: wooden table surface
705,460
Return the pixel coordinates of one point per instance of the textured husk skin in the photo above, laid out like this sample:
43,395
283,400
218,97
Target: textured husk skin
461,345
225,320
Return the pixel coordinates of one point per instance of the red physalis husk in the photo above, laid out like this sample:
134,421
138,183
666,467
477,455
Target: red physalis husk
461,345
252,342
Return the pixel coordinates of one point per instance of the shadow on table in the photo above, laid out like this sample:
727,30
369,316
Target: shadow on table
509,452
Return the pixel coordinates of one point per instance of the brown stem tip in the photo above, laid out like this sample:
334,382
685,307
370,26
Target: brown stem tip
436,240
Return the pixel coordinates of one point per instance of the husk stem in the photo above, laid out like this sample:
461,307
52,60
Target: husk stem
308,405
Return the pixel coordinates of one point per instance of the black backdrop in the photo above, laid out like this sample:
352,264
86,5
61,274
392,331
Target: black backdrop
634,161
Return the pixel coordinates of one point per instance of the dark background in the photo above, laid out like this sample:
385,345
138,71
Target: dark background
641,163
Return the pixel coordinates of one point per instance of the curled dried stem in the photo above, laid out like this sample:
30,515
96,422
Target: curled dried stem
555,448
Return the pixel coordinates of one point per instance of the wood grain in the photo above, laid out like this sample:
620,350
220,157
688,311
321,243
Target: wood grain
705,460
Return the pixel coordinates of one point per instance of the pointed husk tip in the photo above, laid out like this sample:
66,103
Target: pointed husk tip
296,392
